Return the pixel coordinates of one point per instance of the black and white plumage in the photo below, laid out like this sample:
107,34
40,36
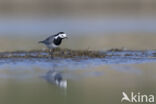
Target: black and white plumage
54,41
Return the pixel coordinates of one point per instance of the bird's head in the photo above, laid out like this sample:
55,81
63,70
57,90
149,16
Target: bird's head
62,35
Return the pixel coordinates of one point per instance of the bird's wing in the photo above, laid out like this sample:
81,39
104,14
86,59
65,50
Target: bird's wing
49,39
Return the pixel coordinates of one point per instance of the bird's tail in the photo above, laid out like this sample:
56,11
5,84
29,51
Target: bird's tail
41,42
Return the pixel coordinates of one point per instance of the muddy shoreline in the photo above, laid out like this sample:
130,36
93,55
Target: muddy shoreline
68,53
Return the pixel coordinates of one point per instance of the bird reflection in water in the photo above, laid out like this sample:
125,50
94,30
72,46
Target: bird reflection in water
56,78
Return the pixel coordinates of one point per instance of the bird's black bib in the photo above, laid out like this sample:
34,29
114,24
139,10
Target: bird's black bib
57,41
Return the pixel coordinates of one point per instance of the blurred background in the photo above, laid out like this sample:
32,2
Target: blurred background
93,24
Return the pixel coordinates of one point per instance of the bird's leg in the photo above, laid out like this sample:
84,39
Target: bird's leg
51,53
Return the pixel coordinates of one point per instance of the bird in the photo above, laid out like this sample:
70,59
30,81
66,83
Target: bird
54,41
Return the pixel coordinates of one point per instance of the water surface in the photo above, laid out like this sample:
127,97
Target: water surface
89,80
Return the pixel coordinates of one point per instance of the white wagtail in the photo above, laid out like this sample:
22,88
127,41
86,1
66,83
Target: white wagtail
54,41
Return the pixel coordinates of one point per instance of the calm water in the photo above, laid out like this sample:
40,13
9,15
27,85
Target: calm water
88,80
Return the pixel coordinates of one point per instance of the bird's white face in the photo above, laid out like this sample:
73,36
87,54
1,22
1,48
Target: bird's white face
62,36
